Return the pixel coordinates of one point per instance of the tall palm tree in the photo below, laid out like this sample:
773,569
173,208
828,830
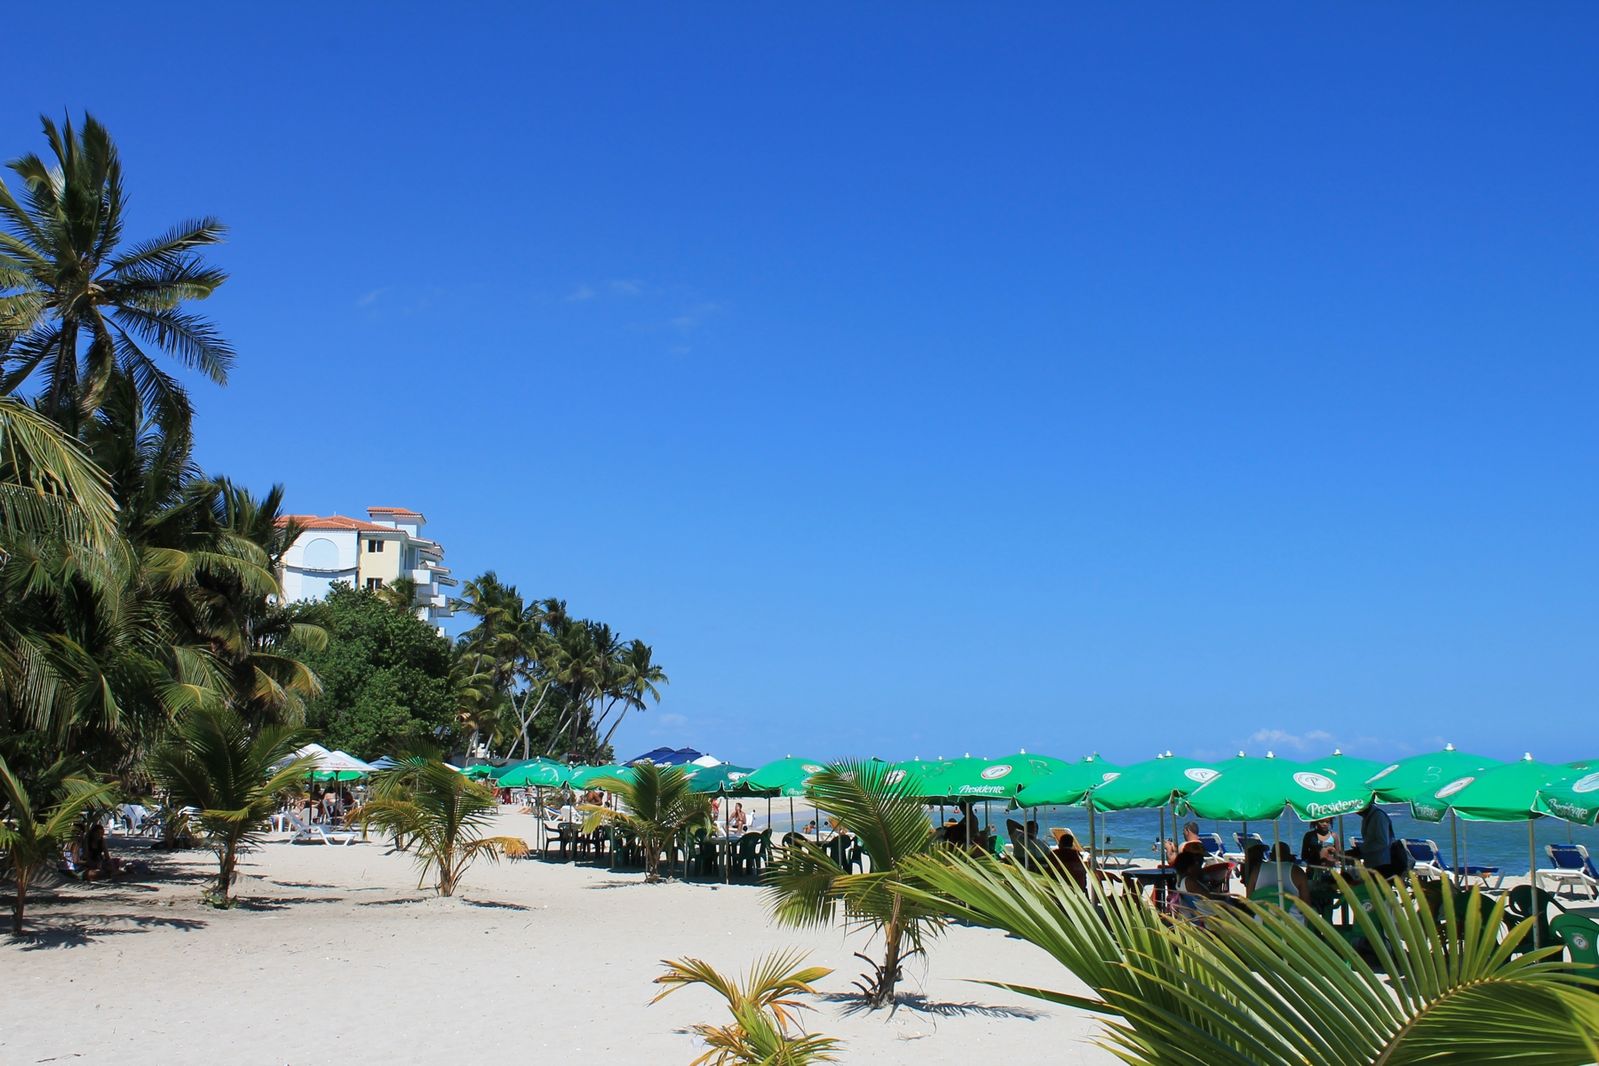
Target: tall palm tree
639,676
33,839
657,806
81,308
765,1027
1256,987
439,813
807,887
49,486
213,762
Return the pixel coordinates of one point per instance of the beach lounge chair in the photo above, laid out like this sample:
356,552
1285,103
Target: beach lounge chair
1213,844
315,834
1570,868
1580,935
1424,855
1243,841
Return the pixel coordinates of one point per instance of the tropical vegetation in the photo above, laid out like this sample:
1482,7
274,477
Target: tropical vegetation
657,807
437,814
808,885
232,775
765,1029
1257,986
33,838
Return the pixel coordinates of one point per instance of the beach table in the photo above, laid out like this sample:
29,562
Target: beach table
1160,879
1120,858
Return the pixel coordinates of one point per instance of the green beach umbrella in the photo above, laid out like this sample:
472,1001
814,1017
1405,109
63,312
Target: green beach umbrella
1347,767
536,774
723,778
1252,790
1504,793
1047,782
915,773
1422,775
585,776
784,777
1150,784
1572,797
337,775
936,782
480,771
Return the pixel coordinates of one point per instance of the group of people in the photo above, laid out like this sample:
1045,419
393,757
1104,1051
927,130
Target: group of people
326,806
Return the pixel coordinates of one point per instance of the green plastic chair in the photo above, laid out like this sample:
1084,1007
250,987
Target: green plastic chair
1522,906
1580,935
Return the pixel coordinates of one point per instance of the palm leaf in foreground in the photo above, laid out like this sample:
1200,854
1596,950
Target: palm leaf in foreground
765,1027
1256,987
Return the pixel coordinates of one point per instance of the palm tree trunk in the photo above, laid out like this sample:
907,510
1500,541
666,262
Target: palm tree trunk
230,859
19,905
893,935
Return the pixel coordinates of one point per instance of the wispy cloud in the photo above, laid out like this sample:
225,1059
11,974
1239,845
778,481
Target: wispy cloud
693,317
582,292
625,287
1281,738
367,299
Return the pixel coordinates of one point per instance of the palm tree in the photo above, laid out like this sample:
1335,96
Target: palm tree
49,486
657,806
1255,987
806,886
638,676
33,839
213,762
765,1027
440,815
79,307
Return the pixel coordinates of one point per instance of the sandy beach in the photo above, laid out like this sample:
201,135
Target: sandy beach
336,956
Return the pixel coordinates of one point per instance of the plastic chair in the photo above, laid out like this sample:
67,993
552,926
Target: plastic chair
1570,868
1580,935
1522,906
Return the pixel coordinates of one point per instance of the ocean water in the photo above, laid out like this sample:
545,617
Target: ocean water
1502,844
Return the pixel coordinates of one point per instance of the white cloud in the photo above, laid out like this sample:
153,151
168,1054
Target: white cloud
1281,738
582,292
367,299
625,286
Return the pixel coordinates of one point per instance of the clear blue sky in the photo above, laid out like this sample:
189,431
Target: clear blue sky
929,379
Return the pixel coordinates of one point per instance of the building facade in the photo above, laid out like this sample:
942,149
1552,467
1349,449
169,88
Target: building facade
386,547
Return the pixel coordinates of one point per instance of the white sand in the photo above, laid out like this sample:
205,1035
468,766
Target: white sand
338,958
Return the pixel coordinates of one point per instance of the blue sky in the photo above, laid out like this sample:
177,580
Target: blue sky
925,379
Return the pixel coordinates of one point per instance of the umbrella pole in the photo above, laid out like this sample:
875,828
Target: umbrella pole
1454,843
1532,879
1160,844
1276,839
727,844
791,826
1092,845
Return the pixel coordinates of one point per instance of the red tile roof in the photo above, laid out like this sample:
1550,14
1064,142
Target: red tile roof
337,521
394,511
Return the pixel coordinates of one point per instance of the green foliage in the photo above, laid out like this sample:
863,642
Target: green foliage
31,838
1256,987
806,887
438,814
213,762
78,307
385,676
657,806
765,1030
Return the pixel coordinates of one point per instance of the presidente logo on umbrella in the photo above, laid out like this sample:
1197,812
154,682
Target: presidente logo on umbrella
894,777
812,768
995,772
1584,785
1314,782
1200,774
1385,771
1106,779
1454,786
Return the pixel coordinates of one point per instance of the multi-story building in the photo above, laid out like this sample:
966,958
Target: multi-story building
369,554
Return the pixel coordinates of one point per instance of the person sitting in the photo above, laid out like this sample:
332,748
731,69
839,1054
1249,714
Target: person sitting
1276,875
1066,861
93,859
1190,836
738,821
1320,845
1379,849
1030,852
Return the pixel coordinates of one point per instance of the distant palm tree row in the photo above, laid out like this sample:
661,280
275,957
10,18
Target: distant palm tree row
538,680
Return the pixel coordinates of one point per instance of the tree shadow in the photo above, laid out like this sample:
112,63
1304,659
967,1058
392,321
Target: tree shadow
854,1004
81,931
278,903
493,904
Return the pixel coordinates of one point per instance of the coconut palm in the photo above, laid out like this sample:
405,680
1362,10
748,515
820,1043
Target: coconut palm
33,839
807,887
439,814
78,306
657,806
49,487
765,1027
215,763
1258,988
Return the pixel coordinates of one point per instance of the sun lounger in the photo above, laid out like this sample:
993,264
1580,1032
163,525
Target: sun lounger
1213,844
1243,842
315,834
1425,857
1570,868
